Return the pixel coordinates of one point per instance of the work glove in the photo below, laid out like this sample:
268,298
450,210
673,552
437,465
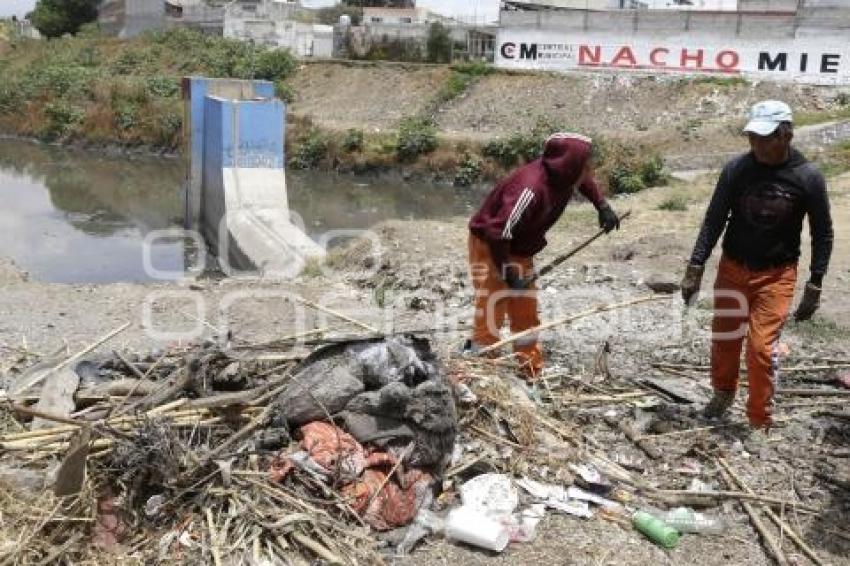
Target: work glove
810,302
517,283
691,282
608,219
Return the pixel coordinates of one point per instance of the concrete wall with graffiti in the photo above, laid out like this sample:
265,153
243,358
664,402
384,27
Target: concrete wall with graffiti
757,46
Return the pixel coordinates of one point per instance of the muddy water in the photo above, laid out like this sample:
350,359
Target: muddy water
72,216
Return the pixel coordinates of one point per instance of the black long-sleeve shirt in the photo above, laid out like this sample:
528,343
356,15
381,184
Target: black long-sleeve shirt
762,209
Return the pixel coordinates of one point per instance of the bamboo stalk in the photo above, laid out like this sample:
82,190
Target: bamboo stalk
719,494
567,319
769,542
38,378
318,549
339,315
785,527
216,553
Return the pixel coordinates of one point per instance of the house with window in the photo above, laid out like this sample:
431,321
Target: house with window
277,23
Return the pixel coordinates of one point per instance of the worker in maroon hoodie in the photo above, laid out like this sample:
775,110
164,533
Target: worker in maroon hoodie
510,227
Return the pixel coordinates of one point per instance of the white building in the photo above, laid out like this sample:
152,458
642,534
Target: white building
274,23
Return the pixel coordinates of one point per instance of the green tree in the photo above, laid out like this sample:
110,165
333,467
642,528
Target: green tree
54,18
439,44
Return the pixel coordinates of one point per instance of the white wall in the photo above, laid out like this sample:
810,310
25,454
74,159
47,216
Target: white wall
815,60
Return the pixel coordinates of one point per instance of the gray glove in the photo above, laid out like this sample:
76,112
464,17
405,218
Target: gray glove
691,282
809,303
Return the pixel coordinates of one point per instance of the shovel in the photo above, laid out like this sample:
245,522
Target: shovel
562,258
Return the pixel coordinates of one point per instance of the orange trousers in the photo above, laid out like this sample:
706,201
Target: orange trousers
754,304
494,301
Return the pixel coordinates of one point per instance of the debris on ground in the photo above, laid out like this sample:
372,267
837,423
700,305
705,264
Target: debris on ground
356,452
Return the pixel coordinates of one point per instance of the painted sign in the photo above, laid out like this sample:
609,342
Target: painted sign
791,60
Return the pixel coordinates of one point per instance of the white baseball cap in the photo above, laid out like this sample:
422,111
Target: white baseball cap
766,115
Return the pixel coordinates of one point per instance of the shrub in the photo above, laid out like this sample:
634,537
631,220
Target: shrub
162,86
468,171
353,140
416,136
284,91
624,181
461,78
126,116
312,148
675,203
652,172
10,96
274,64
61,119
166,129
522,146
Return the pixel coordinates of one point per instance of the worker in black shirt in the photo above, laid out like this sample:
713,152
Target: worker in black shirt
760,200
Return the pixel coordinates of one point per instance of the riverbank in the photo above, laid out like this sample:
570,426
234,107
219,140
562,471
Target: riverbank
462,124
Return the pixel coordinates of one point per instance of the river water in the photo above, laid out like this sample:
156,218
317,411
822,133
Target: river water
73,216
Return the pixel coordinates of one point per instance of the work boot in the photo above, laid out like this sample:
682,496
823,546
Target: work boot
719,405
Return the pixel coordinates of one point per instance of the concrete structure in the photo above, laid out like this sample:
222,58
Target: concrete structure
24,28
236,187
778,45
274,23
196,14
128,18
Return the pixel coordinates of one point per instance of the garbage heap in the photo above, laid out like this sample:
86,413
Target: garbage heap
208,452
374,418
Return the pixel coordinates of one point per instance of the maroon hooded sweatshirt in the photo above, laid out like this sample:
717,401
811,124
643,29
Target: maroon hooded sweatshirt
518,211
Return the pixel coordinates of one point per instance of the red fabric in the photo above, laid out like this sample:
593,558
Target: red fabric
754,304
494,301
521,209
365,471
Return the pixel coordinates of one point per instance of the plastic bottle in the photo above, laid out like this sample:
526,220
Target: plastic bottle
655,529
686,520
472,526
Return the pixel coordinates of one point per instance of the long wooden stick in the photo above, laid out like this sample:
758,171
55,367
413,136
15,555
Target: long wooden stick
771,544
807,550
339,315
567,319
564,257
39,377
678,495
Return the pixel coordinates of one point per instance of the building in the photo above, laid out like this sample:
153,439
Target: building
203,15
276,23
128,18
24,28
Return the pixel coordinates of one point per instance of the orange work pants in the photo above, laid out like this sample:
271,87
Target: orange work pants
494,301
754,304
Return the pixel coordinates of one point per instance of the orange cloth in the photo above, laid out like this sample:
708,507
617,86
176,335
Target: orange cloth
494,301
384,504
754,304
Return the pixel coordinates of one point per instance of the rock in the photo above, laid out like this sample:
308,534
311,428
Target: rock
659,283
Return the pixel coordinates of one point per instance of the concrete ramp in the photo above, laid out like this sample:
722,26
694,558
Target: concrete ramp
236,192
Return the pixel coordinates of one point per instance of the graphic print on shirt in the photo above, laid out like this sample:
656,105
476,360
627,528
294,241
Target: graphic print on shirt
521,204
768,205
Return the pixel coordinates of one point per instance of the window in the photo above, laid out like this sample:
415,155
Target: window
376,19
405,20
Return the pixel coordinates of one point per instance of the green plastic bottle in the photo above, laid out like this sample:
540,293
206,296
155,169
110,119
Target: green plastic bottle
655,529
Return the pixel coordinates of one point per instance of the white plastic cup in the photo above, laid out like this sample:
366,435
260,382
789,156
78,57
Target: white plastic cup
471,526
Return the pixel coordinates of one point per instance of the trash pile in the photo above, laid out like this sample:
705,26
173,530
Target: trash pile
355,452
